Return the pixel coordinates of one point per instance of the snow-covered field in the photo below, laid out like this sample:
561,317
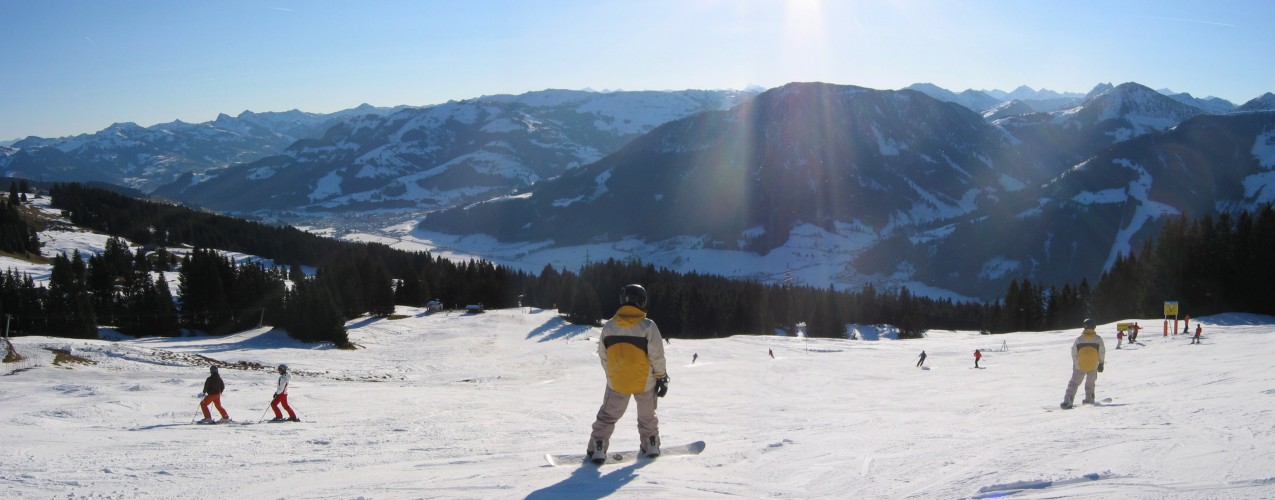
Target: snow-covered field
451,405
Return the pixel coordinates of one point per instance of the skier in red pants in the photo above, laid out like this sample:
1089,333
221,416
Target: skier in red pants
281,397
978,354
213,387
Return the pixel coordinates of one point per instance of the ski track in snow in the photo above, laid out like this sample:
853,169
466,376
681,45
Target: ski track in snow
454,405
1138,191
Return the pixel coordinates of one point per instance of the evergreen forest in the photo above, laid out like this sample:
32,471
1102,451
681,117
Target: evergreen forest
313,284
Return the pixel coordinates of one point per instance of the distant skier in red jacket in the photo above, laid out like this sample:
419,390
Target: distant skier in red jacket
978,354
1198,330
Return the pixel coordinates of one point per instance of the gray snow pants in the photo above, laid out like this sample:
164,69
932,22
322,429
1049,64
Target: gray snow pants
613,406
1090,378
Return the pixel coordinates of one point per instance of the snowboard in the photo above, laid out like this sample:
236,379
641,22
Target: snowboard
1100,402
619,457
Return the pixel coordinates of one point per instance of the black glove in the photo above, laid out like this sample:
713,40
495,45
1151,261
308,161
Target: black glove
1100,367
661,386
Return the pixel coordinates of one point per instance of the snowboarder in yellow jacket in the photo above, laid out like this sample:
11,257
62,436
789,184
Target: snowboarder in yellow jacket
632,354
1088,354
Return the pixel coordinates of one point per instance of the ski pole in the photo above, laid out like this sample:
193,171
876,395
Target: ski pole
262,418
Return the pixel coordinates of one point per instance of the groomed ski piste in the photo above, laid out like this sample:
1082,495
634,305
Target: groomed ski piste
454,405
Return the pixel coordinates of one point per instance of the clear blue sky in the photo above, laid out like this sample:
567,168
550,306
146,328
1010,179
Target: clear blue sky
71,67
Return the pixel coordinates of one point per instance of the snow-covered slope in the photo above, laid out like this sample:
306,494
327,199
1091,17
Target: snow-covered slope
451,405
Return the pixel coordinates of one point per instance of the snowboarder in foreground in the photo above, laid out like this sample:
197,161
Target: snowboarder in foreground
978,354
281,397
213,387
632,356
921,361
1088,354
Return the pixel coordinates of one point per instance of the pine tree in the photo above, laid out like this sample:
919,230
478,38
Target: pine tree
203,289
69,312
312,313
585,309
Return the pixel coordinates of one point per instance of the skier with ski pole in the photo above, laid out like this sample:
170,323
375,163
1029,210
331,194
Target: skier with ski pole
213,387
281,397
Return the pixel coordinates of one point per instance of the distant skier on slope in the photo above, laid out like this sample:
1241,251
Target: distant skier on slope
213,387
1198,330
978,354
1133,337
1119,337
1088,354
921,361
281,397
632,356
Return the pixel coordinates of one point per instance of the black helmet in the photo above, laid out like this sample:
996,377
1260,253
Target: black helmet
283,368
1089,324
633,295
212,369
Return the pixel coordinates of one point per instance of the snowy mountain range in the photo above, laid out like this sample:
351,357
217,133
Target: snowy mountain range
825,184
903,188
436,157
744,178
146,157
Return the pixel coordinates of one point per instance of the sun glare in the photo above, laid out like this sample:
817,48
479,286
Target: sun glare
805,44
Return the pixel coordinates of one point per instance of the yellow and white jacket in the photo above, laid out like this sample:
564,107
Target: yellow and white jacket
1088,351
632,351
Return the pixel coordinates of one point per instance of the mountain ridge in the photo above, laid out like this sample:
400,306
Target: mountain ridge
727,176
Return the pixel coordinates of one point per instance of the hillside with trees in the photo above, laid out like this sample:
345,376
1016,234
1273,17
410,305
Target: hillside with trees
1208,265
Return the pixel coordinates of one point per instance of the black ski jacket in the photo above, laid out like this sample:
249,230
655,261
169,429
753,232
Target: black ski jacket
214,385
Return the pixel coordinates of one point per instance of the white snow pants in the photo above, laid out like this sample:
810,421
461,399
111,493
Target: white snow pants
613,406
1090,378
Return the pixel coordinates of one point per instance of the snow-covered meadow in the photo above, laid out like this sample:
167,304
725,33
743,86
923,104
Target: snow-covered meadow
453,405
